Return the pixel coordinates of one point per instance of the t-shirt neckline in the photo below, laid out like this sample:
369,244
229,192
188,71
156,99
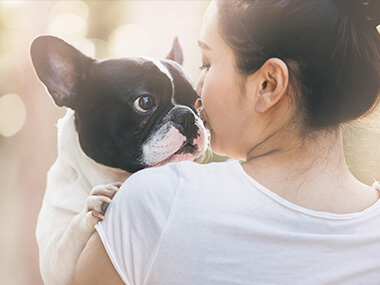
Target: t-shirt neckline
297,208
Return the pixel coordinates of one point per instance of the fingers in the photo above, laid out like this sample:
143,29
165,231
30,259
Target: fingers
117,184
90,220
95,203
104,206
97,215
108,190
98,201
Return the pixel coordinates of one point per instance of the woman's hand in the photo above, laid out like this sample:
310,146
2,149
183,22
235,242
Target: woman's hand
100,197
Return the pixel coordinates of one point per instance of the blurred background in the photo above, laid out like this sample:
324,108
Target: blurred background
28,143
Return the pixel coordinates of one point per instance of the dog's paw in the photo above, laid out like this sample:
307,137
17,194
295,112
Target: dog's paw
99,199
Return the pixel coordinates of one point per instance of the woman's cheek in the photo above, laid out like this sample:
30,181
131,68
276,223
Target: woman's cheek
212,99
208,85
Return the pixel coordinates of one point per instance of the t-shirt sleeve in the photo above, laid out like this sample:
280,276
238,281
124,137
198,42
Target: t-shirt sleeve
135,219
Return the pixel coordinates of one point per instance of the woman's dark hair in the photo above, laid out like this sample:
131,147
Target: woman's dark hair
331,47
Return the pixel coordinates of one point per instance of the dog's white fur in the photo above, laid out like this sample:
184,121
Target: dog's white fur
65,222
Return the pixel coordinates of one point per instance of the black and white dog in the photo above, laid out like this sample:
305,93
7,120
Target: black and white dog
123,115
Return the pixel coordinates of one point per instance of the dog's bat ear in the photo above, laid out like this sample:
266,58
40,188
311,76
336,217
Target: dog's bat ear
61,68
176,53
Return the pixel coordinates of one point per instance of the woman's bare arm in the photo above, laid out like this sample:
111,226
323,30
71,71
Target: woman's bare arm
94,266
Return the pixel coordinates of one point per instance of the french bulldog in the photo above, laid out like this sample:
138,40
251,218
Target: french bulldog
123,115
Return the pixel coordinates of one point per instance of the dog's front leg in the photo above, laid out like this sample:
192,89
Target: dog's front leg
65,245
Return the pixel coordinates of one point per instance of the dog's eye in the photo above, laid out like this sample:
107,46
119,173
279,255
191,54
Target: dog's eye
144,104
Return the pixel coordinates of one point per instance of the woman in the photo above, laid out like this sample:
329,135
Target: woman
279,78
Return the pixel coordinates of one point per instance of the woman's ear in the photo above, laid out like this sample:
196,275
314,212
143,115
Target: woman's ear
271,84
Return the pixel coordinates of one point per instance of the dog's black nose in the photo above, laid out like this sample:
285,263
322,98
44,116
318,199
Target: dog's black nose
184,117
185,121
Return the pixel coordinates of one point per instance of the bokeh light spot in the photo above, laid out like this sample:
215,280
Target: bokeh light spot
78,8
68,25
13,3
85,46
130,40
12,114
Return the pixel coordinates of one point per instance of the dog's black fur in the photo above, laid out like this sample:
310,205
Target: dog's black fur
103,93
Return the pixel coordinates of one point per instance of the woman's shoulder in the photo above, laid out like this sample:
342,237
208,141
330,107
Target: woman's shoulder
189,167
184,168
206,172
150,182
167,178
148,192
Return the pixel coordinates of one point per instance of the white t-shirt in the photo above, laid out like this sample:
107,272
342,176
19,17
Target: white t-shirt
186,223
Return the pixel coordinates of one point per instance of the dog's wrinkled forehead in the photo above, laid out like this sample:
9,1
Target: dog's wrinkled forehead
135,75
164,70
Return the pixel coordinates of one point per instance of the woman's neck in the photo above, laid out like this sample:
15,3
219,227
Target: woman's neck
309,172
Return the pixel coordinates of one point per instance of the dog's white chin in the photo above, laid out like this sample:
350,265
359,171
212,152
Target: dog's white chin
169,145
199,144
176,158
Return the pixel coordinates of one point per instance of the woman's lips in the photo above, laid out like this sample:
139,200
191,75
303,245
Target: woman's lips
204,118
